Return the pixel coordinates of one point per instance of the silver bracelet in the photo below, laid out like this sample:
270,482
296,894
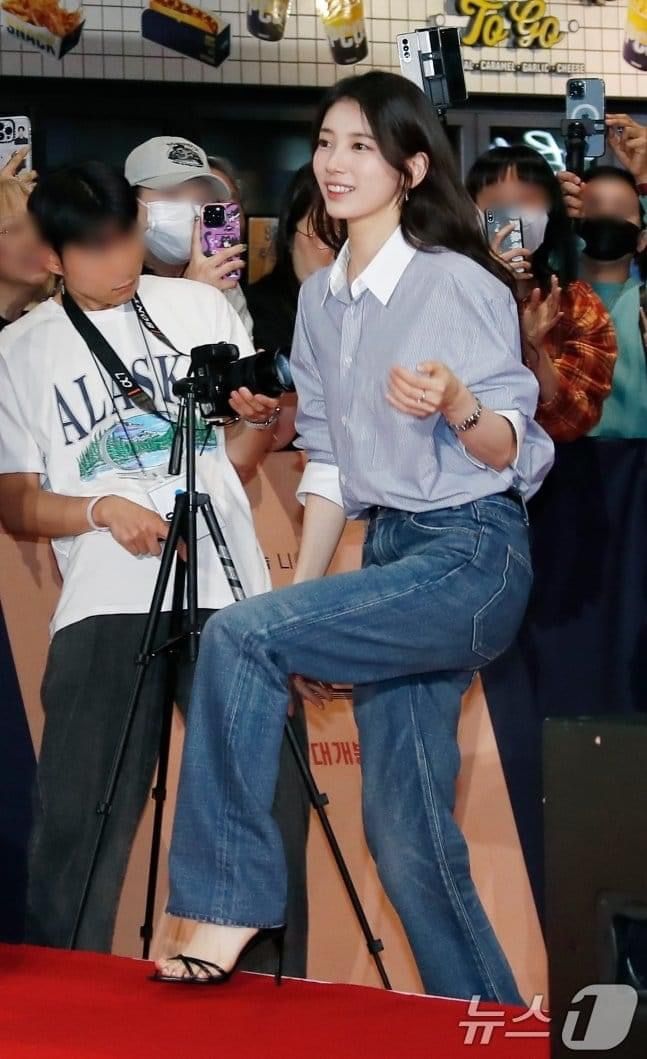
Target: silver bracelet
266,423
92,503
471,421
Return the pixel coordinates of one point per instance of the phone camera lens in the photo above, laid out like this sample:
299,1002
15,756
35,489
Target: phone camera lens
214,216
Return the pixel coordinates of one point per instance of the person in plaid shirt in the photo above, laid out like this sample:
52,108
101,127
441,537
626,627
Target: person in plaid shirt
569,338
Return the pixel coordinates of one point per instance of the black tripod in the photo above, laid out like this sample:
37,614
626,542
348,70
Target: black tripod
184,527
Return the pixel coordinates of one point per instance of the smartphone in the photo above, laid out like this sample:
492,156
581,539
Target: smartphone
585,99
220,228
15,132
495,220
432,59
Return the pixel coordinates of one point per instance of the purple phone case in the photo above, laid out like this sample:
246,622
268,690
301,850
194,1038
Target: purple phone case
228,234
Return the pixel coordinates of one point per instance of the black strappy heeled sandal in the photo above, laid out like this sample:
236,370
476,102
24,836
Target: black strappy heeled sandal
213,974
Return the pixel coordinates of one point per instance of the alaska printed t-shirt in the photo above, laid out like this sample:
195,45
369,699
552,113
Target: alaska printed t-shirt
58,419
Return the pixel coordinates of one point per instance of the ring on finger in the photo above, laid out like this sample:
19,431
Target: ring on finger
423,397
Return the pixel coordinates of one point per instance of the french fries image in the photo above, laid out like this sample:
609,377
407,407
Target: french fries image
46,13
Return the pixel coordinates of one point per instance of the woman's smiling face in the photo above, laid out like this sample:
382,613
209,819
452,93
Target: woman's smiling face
354,178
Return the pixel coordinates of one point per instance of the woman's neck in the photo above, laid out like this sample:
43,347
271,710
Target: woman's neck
366,237
14,298
605,271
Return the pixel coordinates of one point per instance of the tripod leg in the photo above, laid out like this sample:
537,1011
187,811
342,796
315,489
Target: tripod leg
159,790
319,801
220,545
143,658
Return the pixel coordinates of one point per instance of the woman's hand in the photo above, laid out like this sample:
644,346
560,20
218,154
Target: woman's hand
213,269
12,169
253,407
518,261
316,691
431,388
539,318
628,141
571,186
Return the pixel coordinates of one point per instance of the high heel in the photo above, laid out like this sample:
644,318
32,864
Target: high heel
213,974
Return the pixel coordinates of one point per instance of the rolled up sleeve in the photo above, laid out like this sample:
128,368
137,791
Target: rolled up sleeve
321,475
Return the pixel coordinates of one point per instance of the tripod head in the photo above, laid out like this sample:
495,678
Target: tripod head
189,386
577,133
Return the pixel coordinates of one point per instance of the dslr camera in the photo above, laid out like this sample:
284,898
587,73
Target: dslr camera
217,370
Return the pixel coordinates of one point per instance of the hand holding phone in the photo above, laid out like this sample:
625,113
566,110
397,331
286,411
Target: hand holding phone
220,227
215,269
505,235
15,143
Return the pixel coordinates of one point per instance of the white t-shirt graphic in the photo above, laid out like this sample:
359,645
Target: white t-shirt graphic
59,419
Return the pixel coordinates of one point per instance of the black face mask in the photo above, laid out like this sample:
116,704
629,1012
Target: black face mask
608,239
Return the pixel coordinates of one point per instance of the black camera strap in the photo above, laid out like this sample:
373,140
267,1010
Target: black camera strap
106,355
146,320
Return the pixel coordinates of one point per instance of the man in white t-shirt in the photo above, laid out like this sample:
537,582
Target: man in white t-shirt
86,467
173,181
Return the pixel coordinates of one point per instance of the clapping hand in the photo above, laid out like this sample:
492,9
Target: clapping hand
539,318
431,388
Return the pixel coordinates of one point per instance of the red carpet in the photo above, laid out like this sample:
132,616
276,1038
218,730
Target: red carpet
60,1005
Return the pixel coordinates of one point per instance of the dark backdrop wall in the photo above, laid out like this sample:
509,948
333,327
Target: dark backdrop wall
263,130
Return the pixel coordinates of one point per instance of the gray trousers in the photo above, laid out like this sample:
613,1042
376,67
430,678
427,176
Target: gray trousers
86,687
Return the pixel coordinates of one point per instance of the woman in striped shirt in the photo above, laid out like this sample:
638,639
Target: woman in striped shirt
417,415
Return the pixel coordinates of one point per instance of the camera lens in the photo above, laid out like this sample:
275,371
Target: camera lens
214,216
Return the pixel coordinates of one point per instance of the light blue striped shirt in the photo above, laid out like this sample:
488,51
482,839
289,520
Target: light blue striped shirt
408,306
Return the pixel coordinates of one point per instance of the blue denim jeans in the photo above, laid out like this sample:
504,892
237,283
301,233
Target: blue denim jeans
439,595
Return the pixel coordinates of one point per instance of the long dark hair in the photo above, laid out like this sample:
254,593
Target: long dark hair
436,213
296,204
558,254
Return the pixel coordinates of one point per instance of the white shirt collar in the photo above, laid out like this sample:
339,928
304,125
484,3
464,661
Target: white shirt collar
381,276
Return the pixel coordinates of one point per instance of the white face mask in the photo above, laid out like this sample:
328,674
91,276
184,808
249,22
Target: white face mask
170,230
534,224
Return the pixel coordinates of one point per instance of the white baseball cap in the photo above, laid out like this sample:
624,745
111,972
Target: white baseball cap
166,161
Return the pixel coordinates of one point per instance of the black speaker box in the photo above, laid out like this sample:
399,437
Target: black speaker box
595,836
